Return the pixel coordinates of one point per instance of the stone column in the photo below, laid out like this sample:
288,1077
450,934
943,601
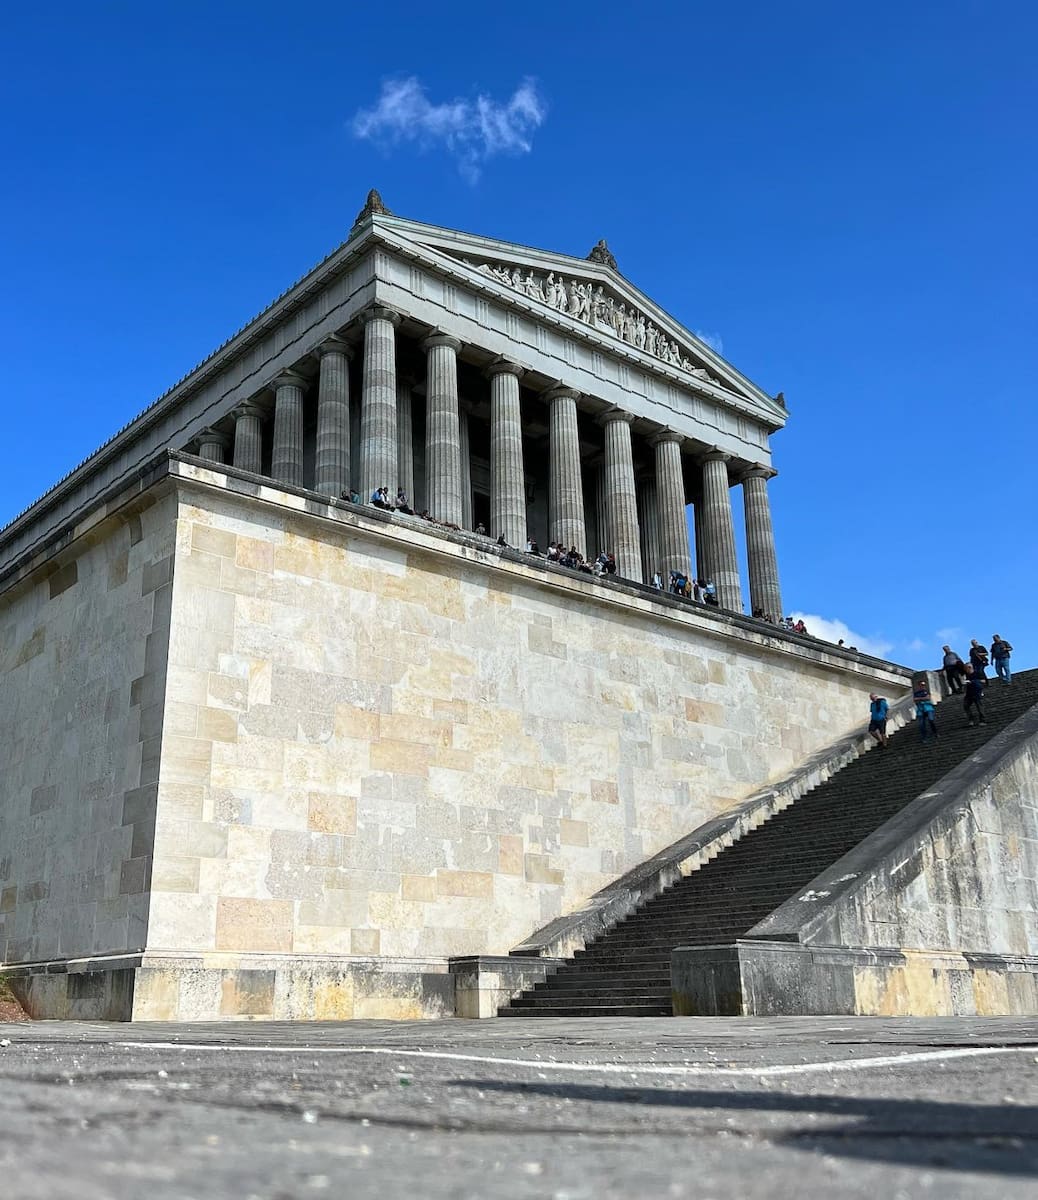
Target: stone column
332,467
507,474
378,423
248,438
565,490
621,498
670,492
718,534
212,445
286,464
443,429
466,466
405,439
761,562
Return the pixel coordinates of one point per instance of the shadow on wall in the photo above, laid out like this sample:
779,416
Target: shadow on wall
996,1139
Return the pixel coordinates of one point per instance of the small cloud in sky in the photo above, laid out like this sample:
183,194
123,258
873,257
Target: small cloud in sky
713,340
952,634
915,645
472,130
833,629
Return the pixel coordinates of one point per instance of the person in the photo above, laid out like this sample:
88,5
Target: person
533,548
481,529
354,496
974,695
978,658
878,709
800,627
401,503
954,669
657,581
1000,652
501,541
380,497
924,711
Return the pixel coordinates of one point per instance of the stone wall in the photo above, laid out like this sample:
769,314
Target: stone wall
83,640
381,744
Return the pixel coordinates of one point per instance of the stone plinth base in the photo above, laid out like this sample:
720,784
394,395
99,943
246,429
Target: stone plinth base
229,987
483,982
765,979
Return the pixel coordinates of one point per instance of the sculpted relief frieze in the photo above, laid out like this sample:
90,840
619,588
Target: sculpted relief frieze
591,304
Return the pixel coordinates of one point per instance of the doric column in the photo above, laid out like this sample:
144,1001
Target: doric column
761,562
621,498
286,464
507,475
466,466
378,424
442,429
718,535
649,525
565,490
248,438
332,467
670,493
405,439
212,445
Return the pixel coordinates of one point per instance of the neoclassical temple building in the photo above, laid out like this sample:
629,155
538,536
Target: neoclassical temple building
273,753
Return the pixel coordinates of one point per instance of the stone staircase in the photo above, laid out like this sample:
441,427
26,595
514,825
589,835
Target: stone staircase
626,971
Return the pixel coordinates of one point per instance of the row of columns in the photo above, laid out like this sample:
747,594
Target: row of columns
386,456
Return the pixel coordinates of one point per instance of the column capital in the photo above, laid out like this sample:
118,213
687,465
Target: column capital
288,379
559,391
757,471
439,337
716,455
248,408
504,366
379,312
666,434
215,436
334,345
615,414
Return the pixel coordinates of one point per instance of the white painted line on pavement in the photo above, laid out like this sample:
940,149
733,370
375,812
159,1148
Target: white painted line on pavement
843,1064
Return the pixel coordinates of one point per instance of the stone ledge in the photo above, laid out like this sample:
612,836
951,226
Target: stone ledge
484,982
764,979
561,937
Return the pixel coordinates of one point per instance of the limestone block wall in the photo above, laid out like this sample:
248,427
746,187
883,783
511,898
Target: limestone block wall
82,686
381,744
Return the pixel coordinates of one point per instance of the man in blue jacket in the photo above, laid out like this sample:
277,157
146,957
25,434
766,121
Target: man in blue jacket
878,719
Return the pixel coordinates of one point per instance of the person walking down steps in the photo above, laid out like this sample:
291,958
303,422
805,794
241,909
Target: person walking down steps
973,703
924,711
954,669
878,709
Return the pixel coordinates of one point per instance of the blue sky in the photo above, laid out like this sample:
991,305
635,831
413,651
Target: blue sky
843,196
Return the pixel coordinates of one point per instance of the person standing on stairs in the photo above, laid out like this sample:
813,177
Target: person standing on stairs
1000,652
978,658
924,711
878,719
954,670
974,695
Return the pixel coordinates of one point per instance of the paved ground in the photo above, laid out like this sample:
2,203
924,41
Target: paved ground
705,1108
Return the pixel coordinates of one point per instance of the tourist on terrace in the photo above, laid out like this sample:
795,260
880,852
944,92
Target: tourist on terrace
924,711
401,504
978,658
533,548
480,530
1000,652
974,696
380,498
954,669
800,627
878,709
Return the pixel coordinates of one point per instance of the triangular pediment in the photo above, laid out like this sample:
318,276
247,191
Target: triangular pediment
592,294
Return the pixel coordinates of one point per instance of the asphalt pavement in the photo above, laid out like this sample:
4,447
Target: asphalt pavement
711,1108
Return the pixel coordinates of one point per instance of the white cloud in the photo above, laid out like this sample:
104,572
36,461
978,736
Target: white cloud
915,645
471,130
833,629
713,340
950,634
